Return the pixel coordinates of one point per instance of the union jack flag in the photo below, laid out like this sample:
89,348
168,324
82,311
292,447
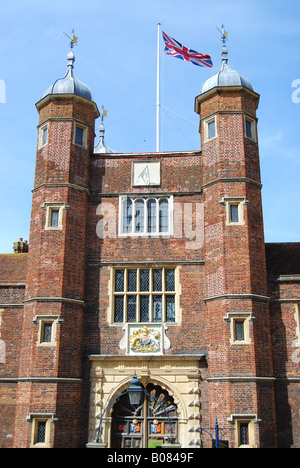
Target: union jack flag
176,49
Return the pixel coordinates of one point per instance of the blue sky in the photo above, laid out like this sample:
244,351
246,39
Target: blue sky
116,57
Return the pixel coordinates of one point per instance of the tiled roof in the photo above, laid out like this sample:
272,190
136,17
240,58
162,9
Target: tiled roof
13,268
283,258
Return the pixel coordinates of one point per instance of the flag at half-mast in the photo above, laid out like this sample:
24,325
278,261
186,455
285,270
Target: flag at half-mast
176,49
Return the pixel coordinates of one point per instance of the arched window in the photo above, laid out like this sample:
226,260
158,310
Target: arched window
139,215
151,209
163,215
127,215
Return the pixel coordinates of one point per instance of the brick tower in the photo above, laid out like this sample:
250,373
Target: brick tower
237,309
49,392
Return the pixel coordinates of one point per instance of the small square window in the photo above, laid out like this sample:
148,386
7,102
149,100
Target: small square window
234,210
47,329
53,218
54,214
239,327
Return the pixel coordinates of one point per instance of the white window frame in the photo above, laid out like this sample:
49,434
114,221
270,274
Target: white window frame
206,123
138,293
42,129
136,198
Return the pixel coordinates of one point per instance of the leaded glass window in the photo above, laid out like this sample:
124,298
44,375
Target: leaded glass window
47,332
152,208
144,295
144,280
157,280
239,330
54,218
163,216
170,308
244,433
211,129
127,216
41,432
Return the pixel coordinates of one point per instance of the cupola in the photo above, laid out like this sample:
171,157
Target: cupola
69,84
225,77
101,146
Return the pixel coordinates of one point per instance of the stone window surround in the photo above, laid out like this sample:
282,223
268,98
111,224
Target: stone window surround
34,419
111,291
246,317
41,320
49,207
240,202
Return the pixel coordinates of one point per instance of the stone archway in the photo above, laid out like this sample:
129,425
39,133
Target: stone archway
179,375
150,424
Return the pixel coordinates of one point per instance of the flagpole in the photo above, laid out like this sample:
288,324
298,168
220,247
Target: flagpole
158,90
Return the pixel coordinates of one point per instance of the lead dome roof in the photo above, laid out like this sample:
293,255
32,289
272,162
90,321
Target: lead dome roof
225,76
69,84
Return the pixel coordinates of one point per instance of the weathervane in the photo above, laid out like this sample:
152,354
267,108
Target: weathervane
224,34
104,114
73,39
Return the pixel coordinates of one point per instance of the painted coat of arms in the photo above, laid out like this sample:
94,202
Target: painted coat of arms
143,340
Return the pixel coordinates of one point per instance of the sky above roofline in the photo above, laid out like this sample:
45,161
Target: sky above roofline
116,58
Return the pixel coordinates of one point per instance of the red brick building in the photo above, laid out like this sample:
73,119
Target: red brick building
154,264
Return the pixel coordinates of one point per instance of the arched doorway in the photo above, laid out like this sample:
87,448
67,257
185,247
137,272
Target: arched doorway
148,425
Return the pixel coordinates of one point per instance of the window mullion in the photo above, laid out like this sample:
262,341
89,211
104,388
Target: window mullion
151,295
163,286
138,302
157,215
133,215
145,217
125,293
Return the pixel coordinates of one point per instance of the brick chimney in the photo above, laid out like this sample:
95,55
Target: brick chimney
20,246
